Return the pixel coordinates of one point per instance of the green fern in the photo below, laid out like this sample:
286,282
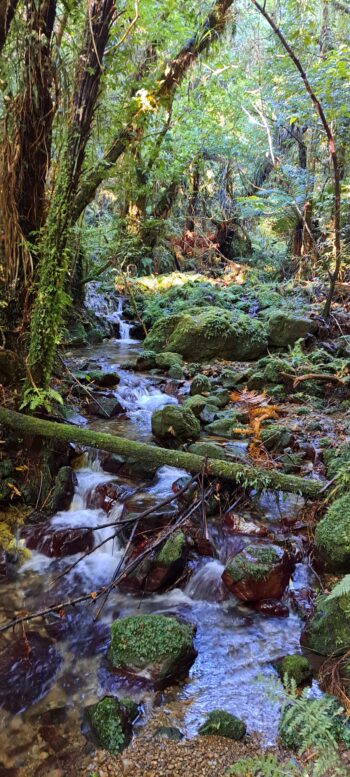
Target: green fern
340,589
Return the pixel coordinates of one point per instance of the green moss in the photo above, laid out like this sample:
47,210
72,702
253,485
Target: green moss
223,724
208,449
275,437
196,404
159,335
285,329
146,360
110,721
254,561
296,667
166,360
336,458
172,549
332,535
140,641
329,628
175,424
200,385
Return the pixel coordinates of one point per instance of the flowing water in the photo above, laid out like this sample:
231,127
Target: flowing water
236,646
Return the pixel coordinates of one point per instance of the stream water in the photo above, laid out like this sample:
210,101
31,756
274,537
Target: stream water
236,646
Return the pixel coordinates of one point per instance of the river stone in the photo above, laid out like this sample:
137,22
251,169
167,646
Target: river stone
27,670
62,495
146,360
258,572
169,732
276,438
200,385
102,378
296,667
197,404
285,329
111,721
328,630
57,543
160,572
175,425
209,333
104,407
156,647
209,450
332,535
166,360
223,724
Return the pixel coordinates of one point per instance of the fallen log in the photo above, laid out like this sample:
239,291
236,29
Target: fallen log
242,474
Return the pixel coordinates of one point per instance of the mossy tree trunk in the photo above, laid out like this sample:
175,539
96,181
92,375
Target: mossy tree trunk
55,249
239,473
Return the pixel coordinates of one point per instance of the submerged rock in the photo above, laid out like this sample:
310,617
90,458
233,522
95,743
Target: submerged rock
258,572
295,667
285,329
332,535
156,647
111,721
223,724
175,425
104,407
105,495
27,670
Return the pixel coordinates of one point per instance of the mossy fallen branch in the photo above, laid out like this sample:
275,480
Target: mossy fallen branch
239,473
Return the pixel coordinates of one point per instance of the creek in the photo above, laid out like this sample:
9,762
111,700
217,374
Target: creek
68,671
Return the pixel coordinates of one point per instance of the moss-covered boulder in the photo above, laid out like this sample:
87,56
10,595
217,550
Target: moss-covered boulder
146,360
200,385
208,449
294,667
223,724
328,630
155,647
63,490
176,372
231,379
276,437
332,535
258,572
110,721
101,378
209,333
159,571
175,425
196,404
167,360
285,329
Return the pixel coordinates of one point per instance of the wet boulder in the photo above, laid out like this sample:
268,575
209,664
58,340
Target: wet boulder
222,724
332,535
104,407
294,667
110,721
158,572
155,647
200,385
258,572
102,378
169,732
167,360
197,404
285,329
328,630
276,438
63,490
271,608
57,543
27,670
105,495
209,450
175,425
146,360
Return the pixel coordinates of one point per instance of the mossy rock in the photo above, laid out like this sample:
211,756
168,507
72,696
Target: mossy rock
101,378
221,397
295,667
336,459
208,449
176,372
169,732
258,572
328,630
209,333
167,360
146,360
154,646
285,329
223,724
200,385
63,490
231,379
110,721
175,425
223,427
291,725
196,404
276,438
332,535
172,550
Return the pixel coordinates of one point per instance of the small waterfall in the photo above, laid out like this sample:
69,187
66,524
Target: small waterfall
206,584
108,308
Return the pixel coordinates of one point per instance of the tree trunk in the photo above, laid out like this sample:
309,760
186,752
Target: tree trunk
242,474
172,77
7,12
55,248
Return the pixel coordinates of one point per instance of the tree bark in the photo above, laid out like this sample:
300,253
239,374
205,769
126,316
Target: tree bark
172,77
241,474
7,12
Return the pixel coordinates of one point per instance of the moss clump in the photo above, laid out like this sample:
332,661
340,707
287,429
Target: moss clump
329,629
208,449
200,385
296,668
175,425
223,724
172,549
276,438
166,360
332,535
285,329
196,404
141,642
254,562
160,333
110,721
146,360
336,459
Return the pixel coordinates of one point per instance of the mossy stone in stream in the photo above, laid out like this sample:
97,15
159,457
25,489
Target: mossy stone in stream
275,437
166,360
156,646
176,372
223,724
196,404
332,535
159,335
295,667
175,425
230,379
110,721
328,630
169,732
200,385
224,427
255,562
146,360
208,449
172,549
